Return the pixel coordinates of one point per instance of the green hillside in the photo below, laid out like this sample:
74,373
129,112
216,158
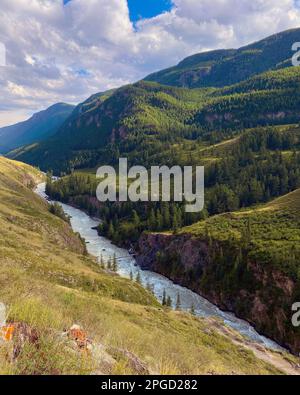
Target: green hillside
146,122
227,67
272,232
287,78
144,115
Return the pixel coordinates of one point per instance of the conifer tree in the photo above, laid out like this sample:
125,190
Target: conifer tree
164,298
166,216
249,235
109,264
135,219
192,309
102,263
111,231
178,302
152,220
169,301
138,278
174,222
115,263
159,220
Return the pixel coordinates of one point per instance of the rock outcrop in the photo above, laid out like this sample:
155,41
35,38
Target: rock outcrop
260,294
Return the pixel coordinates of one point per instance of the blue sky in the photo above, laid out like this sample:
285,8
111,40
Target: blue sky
139,9
147,8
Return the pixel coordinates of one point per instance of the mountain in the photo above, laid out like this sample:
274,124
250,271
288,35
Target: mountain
128,114
143,120
226,67
49,283
40,126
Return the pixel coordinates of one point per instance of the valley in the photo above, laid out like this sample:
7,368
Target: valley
49,283
161,287
203,280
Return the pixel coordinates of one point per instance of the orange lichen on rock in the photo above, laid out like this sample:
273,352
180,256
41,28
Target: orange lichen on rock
79,336
7,332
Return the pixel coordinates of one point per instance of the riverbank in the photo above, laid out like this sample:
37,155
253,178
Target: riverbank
97,246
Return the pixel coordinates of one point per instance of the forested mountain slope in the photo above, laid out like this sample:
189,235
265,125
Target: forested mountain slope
136,115
252,86
226,67
139,121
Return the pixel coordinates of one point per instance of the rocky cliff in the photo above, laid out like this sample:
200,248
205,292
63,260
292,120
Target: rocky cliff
260,294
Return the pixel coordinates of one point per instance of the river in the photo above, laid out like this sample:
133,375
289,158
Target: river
97,245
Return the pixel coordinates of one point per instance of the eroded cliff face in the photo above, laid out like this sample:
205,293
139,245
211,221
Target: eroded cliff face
258,293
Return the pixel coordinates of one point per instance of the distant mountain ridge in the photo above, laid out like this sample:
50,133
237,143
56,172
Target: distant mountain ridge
226,67
40,126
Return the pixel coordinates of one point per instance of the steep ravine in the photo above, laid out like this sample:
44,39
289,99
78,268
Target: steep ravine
97,245
260,295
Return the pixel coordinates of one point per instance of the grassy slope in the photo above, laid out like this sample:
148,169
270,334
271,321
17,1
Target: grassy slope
47,282
274,231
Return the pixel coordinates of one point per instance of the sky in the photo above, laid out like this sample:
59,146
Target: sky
147,9
64,51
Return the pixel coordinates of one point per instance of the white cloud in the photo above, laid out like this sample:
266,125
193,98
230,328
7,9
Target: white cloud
11,117
65,53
